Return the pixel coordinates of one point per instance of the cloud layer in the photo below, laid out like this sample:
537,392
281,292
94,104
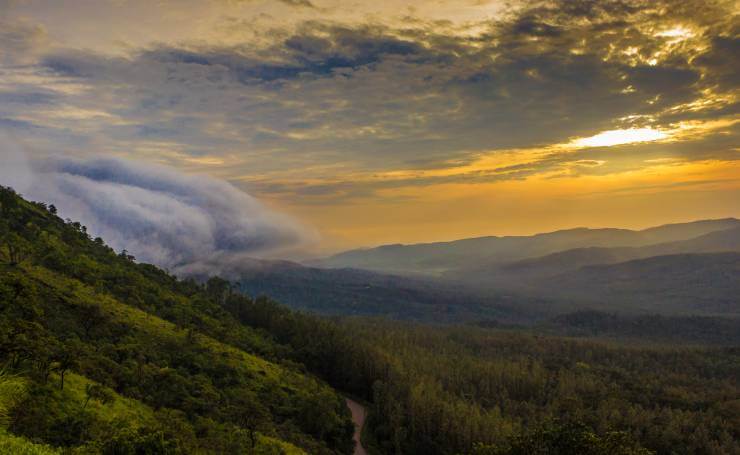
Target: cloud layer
186,223
377,96
326,108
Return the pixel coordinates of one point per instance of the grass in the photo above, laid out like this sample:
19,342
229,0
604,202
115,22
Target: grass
156,328
16,445
119,408
12,390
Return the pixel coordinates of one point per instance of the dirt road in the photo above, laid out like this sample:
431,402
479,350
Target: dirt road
358,417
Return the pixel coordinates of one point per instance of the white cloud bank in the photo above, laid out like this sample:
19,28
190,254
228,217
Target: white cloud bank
186,223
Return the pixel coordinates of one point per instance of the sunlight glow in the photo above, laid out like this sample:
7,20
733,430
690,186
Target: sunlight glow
619,137
680,33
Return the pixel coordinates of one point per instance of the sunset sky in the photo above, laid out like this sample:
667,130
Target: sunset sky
390,121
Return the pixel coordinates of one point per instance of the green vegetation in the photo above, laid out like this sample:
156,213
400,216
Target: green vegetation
350,292
13,391
119,357
446,390
687,330
112,356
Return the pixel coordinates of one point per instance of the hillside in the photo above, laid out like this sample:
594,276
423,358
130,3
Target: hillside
440,257
515,274
120,357
353,292
520,292
104,355
691,283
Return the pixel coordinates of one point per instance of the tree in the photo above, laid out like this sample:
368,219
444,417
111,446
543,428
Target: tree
67,357
43,349
250,414
125,255
17,248
557,439
97,392
218,289
91,316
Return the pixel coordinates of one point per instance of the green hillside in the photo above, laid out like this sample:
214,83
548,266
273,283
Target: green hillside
100,354
118,357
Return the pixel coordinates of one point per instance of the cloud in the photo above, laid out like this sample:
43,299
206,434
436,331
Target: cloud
186,223
15,171
379,96
365,96
21,41
301,3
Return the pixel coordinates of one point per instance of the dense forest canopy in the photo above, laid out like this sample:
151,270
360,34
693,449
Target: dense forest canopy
107,355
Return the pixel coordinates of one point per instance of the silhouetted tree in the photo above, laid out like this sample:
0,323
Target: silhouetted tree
67,357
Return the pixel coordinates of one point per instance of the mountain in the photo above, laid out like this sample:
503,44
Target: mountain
515,274
443,257
690,283
521,291
364,293
105,355
101,354
666,269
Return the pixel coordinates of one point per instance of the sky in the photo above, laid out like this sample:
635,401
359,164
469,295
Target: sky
365,123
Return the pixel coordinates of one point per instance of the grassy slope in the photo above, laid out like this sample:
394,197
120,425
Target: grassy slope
157,329
134,296
15,445
119,409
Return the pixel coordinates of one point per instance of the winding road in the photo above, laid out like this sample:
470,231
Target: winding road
358,417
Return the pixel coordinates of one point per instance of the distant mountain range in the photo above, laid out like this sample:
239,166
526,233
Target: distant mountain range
516,272
446,257
688,268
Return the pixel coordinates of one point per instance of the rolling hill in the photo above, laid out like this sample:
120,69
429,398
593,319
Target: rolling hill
671,269
521,273
526,290
444,257
683,283
106,355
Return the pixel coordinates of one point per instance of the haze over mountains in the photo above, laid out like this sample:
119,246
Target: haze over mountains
359,292
678,269
444,257
691,283
107,355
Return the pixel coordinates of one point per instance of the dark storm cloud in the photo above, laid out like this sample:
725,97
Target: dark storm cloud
376,97
722,60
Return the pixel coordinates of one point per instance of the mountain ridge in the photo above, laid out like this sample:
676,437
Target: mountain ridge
439,257
554,263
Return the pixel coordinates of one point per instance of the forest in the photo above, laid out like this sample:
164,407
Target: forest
461,389
111,356
102,354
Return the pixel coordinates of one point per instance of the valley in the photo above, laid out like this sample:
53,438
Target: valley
136,359
399,227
